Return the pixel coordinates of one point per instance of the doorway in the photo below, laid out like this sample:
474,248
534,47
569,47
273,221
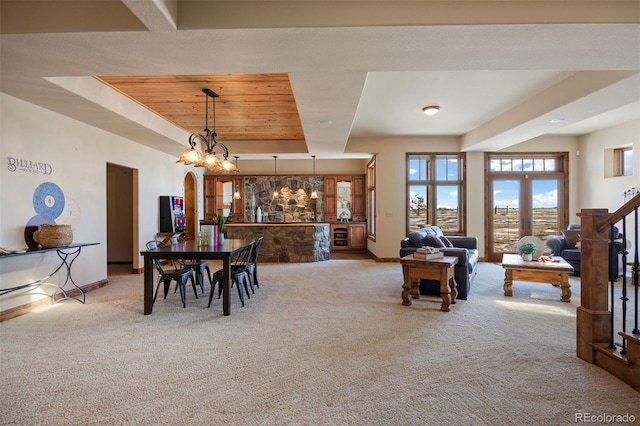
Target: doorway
122,219
526,197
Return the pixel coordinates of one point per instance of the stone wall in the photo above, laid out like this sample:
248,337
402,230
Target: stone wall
293,203
286,243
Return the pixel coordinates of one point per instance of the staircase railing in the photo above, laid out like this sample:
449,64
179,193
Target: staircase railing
604,318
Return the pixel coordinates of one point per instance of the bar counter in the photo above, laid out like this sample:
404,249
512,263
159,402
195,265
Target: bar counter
289,242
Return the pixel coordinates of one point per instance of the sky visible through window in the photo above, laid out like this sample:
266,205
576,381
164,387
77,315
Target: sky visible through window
446,170
544,193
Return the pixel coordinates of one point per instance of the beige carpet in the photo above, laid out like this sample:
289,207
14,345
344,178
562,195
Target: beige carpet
318,344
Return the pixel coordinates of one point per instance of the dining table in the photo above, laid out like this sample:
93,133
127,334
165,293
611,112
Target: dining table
192,250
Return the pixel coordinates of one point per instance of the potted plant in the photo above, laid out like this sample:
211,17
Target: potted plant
220,221
527,250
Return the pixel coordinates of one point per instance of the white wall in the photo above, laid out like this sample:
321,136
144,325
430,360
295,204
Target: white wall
603,190
78,155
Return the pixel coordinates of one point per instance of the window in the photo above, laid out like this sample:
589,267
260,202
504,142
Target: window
371,197
435,186
623,162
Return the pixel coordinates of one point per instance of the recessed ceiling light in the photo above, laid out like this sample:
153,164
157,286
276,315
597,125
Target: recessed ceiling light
431,109
558,120
327,122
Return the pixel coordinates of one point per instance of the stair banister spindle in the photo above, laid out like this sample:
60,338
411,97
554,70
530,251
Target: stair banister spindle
635,271
624,297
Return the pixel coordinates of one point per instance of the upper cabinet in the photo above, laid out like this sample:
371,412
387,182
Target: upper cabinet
344,198
219,198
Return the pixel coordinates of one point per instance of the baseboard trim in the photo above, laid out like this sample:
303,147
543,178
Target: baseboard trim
46,301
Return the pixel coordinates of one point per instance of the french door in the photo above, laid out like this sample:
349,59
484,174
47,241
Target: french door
523,203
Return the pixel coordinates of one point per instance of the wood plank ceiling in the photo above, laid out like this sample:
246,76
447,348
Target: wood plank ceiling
249,107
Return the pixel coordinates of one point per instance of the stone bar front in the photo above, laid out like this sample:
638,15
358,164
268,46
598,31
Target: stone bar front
286,242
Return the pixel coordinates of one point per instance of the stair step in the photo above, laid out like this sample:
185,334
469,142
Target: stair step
611,353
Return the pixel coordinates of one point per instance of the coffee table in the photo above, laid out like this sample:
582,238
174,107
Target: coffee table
441,269
555,272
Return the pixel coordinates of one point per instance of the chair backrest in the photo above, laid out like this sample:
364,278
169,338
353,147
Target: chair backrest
153,245
256,250
242,257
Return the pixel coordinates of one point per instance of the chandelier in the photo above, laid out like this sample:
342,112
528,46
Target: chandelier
209,159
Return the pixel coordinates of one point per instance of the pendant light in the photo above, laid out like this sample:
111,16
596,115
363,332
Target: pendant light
236,194
314,193
275,174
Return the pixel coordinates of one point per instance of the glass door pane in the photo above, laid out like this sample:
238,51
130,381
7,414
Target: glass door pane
506,216
544,205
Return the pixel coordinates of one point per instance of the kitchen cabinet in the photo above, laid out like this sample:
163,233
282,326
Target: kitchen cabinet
219,200
348,236
344,198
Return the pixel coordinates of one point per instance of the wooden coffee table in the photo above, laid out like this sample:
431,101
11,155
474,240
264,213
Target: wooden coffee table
555,273
433,269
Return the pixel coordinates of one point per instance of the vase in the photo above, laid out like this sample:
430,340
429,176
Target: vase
527,257
220,238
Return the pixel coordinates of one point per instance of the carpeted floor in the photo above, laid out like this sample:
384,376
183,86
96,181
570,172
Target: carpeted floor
325,343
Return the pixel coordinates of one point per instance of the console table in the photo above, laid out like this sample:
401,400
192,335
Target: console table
67,254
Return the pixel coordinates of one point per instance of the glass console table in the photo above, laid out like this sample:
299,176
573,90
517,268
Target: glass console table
67,255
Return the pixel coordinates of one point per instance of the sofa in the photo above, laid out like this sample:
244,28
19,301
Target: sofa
566,246
463,247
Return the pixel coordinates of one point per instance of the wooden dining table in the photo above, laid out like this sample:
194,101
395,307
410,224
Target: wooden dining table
193,251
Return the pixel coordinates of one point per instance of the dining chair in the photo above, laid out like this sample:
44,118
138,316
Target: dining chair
198,267
252,264
179,275
238,275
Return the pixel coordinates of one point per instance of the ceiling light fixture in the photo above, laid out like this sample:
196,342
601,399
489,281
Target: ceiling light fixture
314,193
431,109
275,173
209,160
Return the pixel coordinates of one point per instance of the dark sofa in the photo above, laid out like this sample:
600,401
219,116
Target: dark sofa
464,248
561,246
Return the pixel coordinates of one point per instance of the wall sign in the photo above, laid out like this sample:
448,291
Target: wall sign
28,166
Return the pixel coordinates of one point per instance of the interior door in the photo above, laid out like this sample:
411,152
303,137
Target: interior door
523,205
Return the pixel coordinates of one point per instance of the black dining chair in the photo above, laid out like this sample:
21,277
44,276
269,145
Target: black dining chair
252,264
198,267
179,275
238,274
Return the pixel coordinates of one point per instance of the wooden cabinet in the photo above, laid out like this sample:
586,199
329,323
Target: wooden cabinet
357,236
219,200
344,196
209,198
358,209
348,236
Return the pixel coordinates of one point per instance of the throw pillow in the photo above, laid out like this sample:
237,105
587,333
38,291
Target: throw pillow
434,241
446,241
571,237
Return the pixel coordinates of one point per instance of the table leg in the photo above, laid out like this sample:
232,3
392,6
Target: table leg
508,281
565,287
454,289
148,285
226,286
406,287
445,292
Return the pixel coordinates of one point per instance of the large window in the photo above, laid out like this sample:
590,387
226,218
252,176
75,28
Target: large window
435,191
371,198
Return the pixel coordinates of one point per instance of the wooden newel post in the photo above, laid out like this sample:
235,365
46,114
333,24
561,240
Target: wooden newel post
593,315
